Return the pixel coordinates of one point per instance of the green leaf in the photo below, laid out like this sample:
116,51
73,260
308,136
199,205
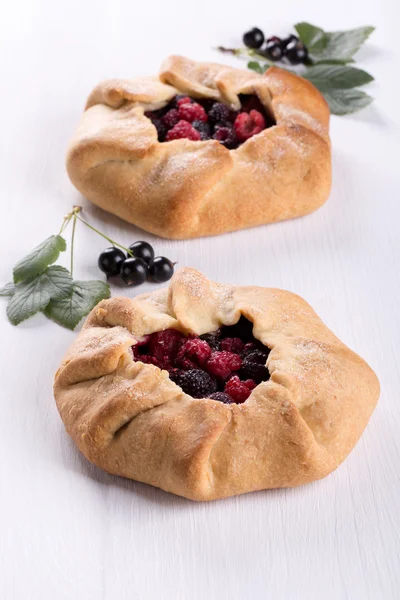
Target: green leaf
32,296
255,66
340,45
41,257
85,295
7,290
343,102
333,61
313,37
327,77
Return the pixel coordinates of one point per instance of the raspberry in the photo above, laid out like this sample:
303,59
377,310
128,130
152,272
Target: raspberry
220,112
250,384
196,350
253,366
233,344
203,128
179,100
212,339
187,364
221,364
248,124
226,135
257,118
237,390
192,112
221,397
197,383
171,118
164,346
181,130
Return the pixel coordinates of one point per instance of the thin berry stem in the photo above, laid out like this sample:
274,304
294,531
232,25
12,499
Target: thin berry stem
104,236
245,52
72,244
65,223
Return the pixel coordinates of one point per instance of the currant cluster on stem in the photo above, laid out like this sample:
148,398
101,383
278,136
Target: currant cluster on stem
275,48
136,265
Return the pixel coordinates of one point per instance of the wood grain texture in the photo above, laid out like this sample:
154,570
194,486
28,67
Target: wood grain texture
68,530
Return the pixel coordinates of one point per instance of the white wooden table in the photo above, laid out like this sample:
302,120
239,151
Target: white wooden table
69,531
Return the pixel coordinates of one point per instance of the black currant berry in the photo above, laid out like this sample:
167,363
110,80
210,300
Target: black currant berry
296,53
110,261
142,250
275,39
161,269
253,38
134,271
288,40
274,51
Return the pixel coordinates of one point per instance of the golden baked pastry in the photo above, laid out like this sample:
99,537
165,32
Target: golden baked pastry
300,417
183,188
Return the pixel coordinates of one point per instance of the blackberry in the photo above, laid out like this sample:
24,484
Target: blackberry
203,128
161,128
212,339
258,356
197,383
219,124
176,376
220,112
221,397
206,103
227,137
253,366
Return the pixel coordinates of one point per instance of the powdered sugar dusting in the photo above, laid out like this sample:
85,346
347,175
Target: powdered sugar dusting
287,112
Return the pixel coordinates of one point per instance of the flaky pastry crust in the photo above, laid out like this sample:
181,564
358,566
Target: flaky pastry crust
184,189
130,419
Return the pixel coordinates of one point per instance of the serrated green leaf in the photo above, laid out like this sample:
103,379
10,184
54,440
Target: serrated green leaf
327,77
255,66
340,45
344,102
7,290
32,296
313,37
85,295
39,259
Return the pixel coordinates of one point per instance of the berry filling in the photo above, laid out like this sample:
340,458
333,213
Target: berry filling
224,365
204,119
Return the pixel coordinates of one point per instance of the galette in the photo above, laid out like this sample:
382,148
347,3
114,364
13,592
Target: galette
203,148
209,390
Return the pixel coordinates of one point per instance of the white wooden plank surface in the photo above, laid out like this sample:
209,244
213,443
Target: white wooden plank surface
68,530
